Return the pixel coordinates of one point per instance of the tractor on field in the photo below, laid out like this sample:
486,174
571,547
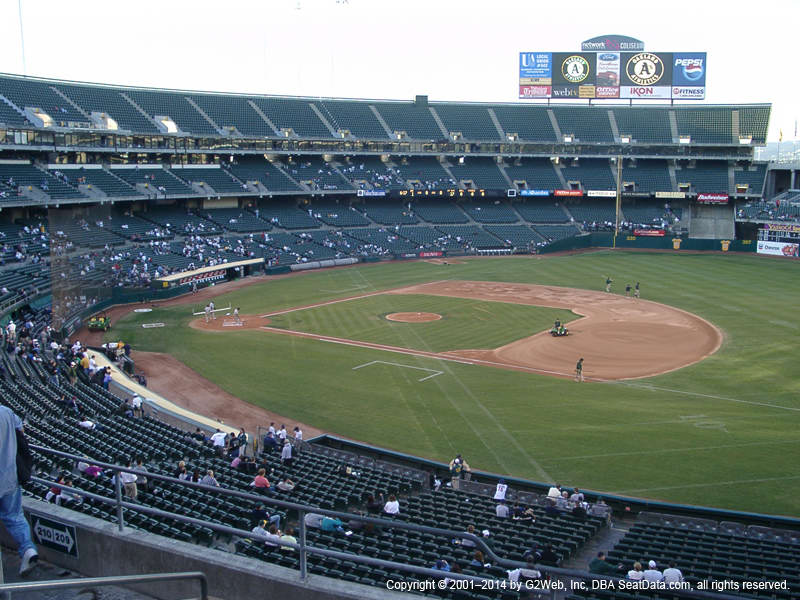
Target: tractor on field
99,322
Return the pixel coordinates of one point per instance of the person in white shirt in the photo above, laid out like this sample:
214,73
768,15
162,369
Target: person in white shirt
272,429
652,573
501,510
87,424
209,479
92,365
500,490
218,439
129,484
282,433
554,491
637,572
672,575
136,404
298,434
392,506
286,454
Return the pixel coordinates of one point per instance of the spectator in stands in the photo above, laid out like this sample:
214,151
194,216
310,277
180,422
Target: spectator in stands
652,573
600,566
179,469
576,496
288,536
520,513
375,504
270,443
128,483
466,542
209,479
458,469
500,490
54,493
141,480
672,575
331,524
501,510
286,485
218,440
298,434
441,565
261,483
549,556
528,573
260,513
637,572
286,454
392,506
554,491
260,530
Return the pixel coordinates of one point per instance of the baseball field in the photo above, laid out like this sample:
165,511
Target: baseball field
692,393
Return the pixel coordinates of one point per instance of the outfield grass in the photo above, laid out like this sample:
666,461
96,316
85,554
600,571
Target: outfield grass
723,432
465,324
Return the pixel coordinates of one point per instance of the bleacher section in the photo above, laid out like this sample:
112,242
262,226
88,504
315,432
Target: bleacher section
473,122
707,550
542,211
31,93
592,173
264,172
537,173
647,175
175,106
645,212
352,116
644,125
380,241
753,176
295,114
470,236
586,125
157,180
593,211
483,172
234,111
386,212
338,215
490,212
428,238
286,214
517,236
709,176
28,175
181,222
365,172
315,173
553,233
136,229
218,179
529,122
753,121
111,102
235,219
9,116
416,121
100,179
707,125
427,174
438,211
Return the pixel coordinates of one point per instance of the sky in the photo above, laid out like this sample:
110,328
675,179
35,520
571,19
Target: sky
461,50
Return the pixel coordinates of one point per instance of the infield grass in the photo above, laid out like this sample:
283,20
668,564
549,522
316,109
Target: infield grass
724,432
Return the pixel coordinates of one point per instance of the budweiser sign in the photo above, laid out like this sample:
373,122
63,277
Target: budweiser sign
712,198
203,277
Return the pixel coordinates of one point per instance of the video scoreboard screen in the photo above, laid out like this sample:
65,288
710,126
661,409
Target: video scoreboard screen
607,75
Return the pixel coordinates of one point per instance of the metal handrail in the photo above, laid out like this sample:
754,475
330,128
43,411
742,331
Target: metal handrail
304,548
62,584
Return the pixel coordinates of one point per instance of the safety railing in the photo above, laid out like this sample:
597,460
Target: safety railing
89,582
556,580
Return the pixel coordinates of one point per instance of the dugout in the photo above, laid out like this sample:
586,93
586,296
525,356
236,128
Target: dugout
205,276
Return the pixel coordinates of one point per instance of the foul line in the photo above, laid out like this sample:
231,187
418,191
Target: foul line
714,483
383,362
654,388
329,302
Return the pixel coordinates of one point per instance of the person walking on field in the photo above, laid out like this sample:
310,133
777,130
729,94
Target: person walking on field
579,370
628,290
609,281
236,318
636,291
208,312
213,314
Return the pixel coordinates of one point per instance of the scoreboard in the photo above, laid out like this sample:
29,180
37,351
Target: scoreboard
608,74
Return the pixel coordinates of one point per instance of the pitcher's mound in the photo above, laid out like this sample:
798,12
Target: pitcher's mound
413,317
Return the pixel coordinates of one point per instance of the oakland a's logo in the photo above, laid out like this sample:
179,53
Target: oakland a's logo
644,68
575,69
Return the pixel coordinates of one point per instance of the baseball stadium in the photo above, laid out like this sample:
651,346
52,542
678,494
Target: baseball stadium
360,348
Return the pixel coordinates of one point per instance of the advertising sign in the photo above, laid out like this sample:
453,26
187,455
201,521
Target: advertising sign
612,42
613,70
567,193
535,68
778,249
712,198
534,192
601,194
649,232
781,227
671,195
